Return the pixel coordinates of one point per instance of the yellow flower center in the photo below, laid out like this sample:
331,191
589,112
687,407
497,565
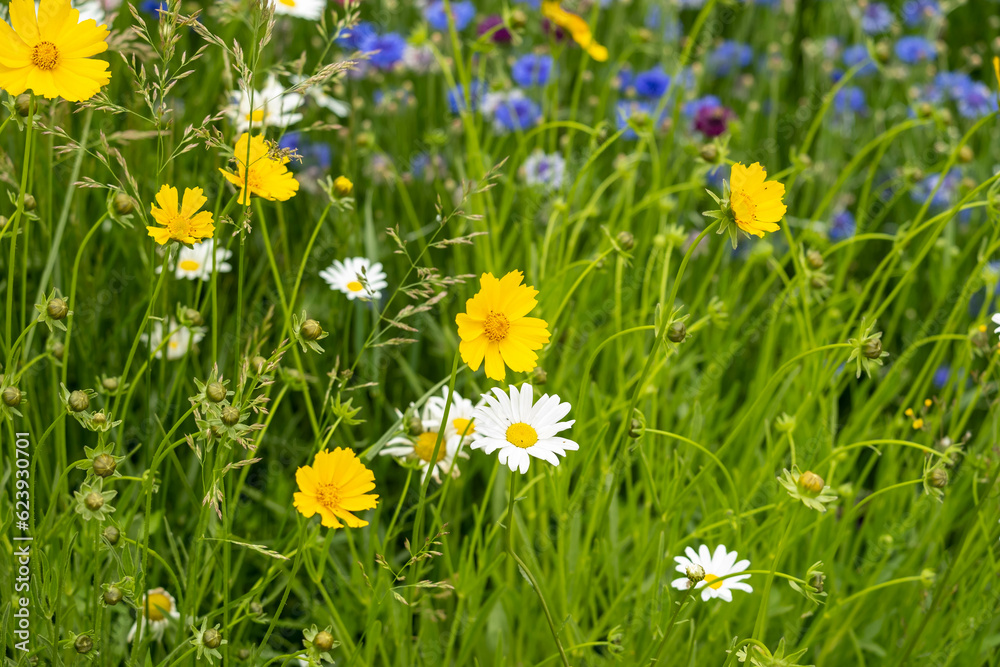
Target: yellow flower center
521,435
157,606
179,228
355,286
709,578
45,56
496,327
189,265
744,208
424,446
328,496
464,426
173,345
257,116
287,3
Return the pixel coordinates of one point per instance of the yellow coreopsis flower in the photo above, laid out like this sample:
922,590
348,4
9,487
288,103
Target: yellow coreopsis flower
577,28
262,174
748,203
334,486
50,53
181,220
494,327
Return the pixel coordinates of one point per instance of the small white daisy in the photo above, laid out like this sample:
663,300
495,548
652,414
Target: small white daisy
272,107
520,429
179,342
157,611
461,425
303,9
196,261
996,320
356,277
712,566
543,170
458,431
317,95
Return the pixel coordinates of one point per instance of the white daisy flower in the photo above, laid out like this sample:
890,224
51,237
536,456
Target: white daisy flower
712,566
272,107
458,432
303,9
521,430
196,261
158,610
996,320
179,342
544,170
356,277
419,59
316,94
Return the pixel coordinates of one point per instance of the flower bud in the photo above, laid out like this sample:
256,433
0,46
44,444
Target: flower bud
695,574
815,259
311,330
230,415
626,240
111,384
872,349
928,577
94,501
323,641
83,644
58,349
211,638
677,332
216,392
258,363
811,482
342,186
635,428
243,653
78,401
709,153
57,308
29,202
193,316
123,204
256,608
111,534
23,105
414,426
819,281
12,397
966,154
104,465
938,478
539,376
113,595
99,419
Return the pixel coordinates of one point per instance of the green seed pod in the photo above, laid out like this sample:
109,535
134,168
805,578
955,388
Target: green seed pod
78,401
216,392
104,465
94,501
626,240
23,105
29,203
230,415
111,384
111,534
323,641
211,638
12,397
57,308
113,595
677,332
83,644
123,204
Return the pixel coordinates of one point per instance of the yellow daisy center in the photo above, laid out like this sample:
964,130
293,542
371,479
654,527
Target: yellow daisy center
257,116
355,286
328,495
464,426
179,227
424,446
521,435
744,207
173,345
496,327
157,605
287,3
45,56
709,578
189,265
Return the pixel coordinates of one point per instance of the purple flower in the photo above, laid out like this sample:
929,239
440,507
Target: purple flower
653,83
461,12
355,35
913,49
494,24
941,376
976,101
638,110
721,61
712,121
532,70
876,18
916,12
385,50
842,226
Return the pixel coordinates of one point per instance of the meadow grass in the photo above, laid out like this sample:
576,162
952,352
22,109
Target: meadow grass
705,380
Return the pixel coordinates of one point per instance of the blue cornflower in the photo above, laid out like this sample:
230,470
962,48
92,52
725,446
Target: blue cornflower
462,12
876,18
942,198
627,110
856,54
692,108
913,49
477,91
389,48
941,376
976,101
653,83
842,226
352,37
153,6
850,99
625,78
532,70
515,113
725,55
916,12
671,27
313,153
